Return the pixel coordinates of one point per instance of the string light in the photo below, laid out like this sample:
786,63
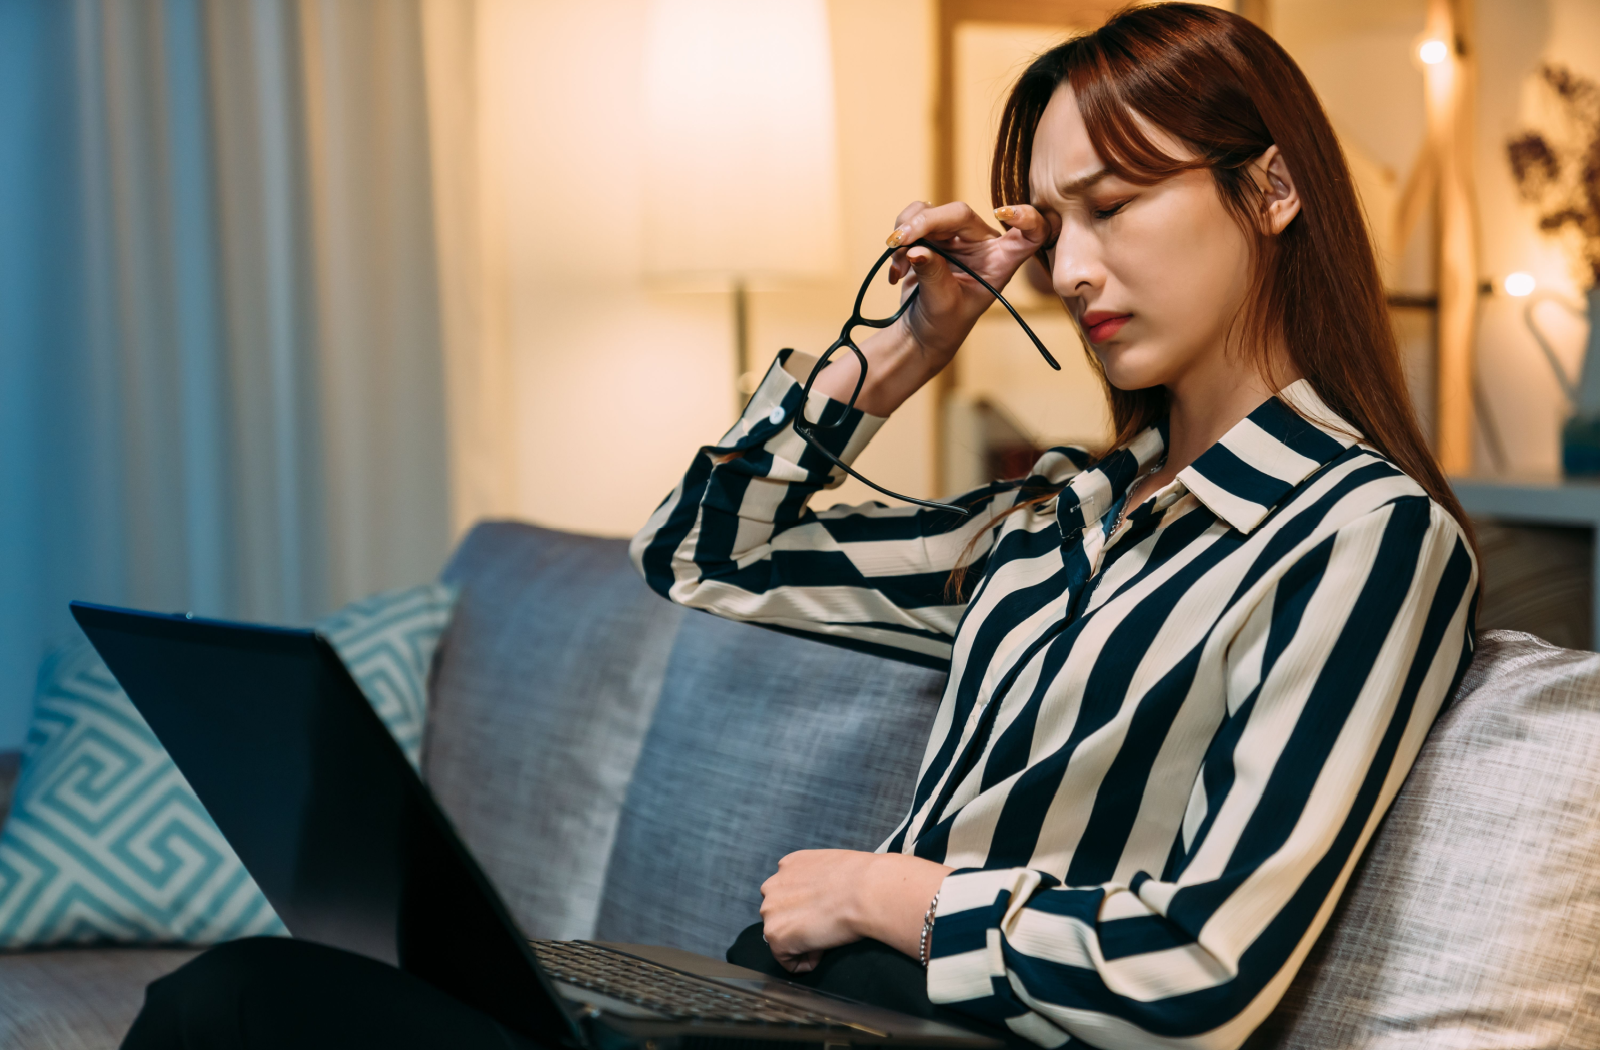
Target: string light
1432,52
1519,284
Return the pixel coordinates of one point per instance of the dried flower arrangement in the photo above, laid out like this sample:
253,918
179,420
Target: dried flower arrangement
1560,173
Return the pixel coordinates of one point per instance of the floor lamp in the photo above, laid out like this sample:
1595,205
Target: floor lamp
740,178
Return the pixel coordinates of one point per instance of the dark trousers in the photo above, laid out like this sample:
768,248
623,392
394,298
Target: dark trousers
272,993
867,971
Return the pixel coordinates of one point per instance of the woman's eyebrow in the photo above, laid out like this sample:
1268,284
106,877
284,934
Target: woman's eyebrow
1076,186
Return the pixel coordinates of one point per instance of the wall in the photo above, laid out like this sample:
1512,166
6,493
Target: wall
999,364
608,384
1359,55
614,383
1524,402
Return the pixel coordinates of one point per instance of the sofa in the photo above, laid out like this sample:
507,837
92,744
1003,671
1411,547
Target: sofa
628,771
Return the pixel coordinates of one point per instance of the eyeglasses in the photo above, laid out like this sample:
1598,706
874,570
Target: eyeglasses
808,429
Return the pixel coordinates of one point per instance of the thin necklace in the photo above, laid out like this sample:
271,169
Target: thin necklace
1127,500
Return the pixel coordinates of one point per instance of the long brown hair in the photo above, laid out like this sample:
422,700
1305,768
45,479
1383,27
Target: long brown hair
1219,84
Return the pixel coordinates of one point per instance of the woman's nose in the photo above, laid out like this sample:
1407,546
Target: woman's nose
1076,268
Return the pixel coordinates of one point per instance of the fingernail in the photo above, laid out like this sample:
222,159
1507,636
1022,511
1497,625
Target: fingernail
1005,213
898,236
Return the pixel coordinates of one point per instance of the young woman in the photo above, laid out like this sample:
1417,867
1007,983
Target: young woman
1187,677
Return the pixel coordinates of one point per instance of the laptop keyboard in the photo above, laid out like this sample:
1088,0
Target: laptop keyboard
678,996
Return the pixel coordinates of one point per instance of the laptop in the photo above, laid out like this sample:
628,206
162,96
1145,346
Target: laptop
350,848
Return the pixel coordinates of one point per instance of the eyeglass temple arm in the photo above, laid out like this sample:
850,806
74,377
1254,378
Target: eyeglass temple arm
805,431
1051,361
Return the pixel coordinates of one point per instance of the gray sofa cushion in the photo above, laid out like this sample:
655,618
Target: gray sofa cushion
543,687
77,998
763,743
1475,919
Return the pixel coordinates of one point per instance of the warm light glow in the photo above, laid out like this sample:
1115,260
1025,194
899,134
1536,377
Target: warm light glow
1432,52
739,174
1519,284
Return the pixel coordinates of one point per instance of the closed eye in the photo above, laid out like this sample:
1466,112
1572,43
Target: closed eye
1107,212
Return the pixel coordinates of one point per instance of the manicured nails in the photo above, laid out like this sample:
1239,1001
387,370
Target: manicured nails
898,237
1006,213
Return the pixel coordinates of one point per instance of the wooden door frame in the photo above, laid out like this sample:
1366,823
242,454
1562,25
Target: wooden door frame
949,15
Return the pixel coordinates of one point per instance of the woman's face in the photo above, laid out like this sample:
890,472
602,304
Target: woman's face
1154,274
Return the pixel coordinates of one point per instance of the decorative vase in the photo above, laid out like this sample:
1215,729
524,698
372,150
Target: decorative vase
1580,437
1580,434
1580,446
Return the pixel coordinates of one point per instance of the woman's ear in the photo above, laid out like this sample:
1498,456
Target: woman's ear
1280,201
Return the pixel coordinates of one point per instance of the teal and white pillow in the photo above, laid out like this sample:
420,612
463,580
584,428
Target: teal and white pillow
387,642
106,842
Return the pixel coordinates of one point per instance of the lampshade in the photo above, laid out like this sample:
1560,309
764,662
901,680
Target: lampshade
741,182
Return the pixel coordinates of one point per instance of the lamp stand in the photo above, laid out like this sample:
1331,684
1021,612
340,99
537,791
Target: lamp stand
742,378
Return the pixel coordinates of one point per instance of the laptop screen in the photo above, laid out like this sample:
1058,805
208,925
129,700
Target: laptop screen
320,804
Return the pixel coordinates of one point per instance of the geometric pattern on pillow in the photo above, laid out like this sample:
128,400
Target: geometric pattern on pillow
387,641
106,841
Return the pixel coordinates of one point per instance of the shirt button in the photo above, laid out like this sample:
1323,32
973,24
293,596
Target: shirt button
776,416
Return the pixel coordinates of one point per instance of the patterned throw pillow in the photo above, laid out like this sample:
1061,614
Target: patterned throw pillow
387,642
106,841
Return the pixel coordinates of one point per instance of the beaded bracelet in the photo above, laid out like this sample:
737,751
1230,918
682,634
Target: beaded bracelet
924,943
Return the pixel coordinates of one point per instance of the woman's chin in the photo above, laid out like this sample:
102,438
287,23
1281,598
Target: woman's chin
1128,366
1136,364
1131,379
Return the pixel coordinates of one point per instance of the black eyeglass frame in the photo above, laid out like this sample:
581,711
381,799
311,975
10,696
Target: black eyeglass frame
808,430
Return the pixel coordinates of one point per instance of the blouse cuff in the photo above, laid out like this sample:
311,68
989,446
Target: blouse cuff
965,956
767,425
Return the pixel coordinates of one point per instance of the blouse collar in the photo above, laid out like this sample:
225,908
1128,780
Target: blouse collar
1241,478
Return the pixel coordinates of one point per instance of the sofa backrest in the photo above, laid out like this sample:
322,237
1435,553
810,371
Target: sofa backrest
762,744
628,771
554,702
543,688
1474,919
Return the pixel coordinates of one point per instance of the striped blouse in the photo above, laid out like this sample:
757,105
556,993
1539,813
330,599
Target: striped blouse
1161,750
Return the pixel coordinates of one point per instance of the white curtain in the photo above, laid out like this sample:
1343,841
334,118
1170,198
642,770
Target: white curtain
221,377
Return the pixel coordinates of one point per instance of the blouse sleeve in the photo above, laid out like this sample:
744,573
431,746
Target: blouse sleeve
1332,684
737,538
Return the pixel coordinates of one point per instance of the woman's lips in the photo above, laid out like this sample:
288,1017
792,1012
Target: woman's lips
1100,327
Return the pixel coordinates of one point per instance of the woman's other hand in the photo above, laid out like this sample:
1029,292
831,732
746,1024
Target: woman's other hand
903,357
823,898
951,301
